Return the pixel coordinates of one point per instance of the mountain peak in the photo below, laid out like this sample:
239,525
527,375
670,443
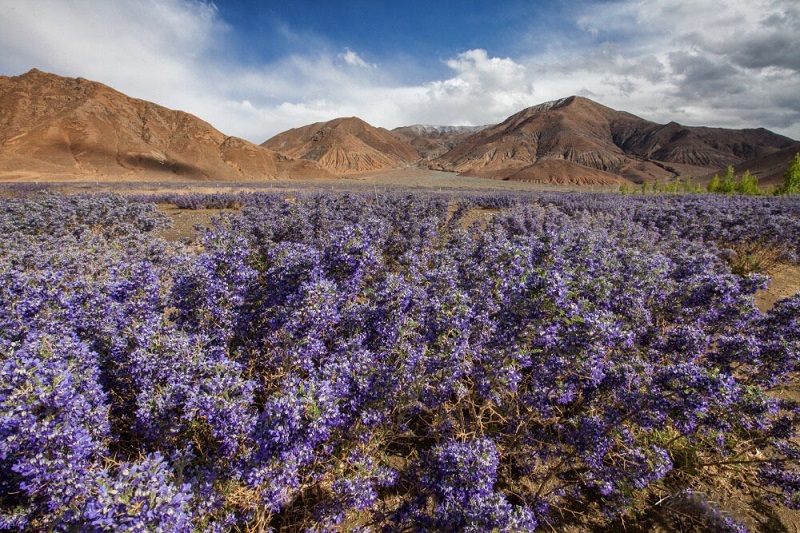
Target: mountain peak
552,104
55,127
430,129
344,145
561,103
35,75
575,138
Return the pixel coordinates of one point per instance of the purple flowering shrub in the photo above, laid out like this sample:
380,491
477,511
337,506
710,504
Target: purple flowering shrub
138,497
364,362
459,479
53,429
57,215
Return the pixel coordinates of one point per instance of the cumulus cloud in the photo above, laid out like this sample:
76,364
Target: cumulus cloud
152,48
483,89
710,62
705,62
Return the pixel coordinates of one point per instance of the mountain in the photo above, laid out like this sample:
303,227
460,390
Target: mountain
768,168
55,128
432,141
578,141
344,146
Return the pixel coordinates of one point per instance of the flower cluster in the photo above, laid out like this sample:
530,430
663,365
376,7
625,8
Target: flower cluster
388,361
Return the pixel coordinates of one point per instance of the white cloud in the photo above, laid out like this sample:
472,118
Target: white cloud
727,63
483,90
353,59
476,68
151,47
713,62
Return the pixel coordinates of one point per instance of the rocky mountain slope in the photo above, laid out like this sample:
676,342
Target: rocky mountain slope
575,140
57,128
344,146
768,168
432,141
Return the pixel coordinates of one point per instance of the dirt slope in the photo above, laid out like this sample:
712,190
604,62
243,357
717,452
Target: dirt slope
768,168
344,146
588,143
52,127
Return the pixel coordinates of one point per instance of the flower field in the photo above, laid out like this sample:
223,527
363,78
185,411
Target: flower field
395,362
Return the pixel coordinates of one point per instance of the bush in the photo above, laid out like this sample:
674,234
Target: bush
358,361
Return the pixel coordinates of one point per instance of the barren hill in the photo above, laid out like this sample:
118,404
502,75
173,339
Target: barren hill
576,140
344,146
768,168
432,141
57,128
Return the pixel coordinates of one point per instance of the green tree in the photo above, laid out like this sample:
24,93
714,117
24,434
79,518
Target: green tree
727,185
791,178
748,184
689,186
714,184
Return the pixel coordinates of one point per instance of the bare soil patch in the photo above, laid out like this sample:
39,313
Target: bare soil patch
424,178
785,284
185,220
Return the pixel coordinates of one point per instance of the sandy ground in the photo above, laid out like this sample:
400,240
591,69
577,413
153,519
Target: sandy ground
785,283
184,221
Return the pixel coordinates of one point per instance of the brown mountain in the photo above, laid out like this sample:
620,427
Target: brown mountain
768,168
56,128
575,140
344,146
432,141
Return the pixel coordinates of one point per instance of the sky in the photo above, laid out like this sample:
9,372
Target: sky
256,68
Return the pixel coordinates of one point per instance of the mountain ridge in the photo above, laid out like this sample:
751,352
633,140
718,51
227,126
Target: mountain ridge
572,131
344,145
53,127
72,128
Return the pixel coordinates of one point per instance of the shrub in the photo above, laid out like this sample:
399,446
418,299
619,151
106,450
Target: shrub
359,361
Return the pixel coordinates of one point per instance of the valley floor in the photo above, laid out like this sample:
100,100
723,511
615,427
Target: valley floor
412,178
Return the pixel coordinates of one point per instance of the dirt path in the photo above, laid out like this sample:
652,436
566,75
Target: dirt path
785,283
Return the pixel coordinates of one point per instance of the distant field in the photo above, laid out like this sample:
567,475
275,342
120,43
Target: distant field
390,180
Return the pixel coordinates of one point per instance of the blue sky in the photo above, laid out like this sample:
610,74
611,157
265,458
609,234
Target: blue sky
427,32
254,69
